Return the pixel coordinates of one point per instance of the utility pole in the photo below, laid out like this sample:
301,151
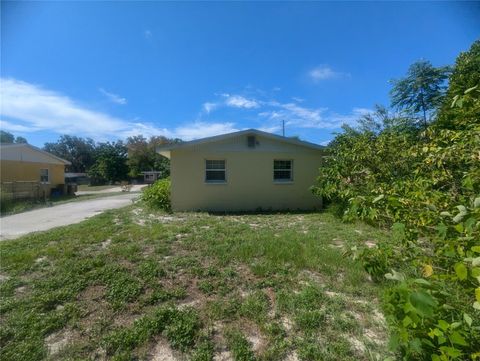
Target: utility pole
283,127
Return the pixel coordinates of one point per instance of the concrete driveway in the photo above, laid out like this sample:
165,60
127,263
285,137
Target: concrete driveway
43,219
135,188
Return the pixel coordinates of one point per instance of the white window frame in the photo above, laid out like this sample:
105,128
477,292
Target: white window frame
224,169
289,180
48,176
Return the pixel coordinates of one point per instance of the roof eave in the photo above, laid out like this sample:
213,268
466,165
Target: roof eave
168,148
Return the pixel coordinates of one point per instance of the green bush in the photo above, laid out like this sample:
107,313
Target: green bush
426,187
158,195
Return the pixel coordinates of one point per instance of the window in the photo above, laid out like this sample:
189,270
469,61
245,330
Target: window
283,170
44,175
215,171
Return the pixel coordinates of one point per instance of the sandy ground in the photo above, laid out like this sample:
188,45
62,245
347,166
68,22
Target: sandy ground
135,188
43,219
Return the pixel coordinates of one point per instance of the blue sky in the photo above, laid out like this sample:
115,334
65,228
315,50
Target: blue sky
108,70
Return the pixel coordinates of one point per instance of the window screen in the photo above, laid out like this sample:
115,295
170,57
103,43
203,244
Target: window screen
282,170
44,175
215,171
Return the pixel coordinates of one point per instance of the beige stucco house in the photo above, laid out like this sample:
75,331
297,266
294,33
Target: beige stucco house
243,171
26,163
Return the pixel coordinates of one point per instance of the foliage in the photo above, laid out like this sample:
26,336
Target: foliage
142,155
78,151
158,195
9,138
110,163
422,90
427,188
466,75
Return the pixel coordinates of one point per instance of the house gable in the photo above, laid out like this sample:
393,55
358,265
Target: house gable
250,140
28,153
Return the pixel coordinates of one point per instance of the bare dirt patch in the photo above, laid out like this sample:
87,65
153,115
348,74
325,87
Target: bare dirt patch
163,352
106,243
356,344
57,341
4,278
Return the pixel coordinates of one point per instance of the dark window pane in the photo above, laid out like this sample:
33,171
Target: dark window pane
282,175
215,164
282,164
215,175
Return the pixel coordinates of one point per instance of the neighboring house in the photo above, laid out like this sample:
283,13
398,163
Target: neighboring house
26,163
151,176
243,171
76,178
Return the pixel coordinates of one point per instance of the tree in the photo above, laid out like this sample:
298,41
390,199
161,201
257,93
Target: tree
9,138
142,155
6,137
110,163
20,139
465,76
381,119
422,90
79,151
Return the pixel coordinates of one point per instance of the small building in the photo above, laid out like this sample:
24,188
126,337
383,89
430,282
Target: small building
151,176
243,171
29,165
76,178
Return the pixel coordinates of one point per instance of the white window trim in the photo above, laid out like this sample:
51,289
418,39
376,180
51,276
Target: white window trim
215,181
283,181
48,176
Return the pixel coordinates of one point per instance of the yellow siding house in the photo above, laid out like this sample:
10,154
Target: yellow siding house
243,171
26,163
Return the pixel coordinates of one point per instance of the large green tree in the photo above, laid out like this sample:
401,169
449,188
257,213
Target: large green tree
465,76
110,163
421,91
79,151
9,138
142,155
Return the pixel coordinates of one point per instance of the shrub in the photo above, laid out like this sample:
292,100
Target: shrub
158,195
426,187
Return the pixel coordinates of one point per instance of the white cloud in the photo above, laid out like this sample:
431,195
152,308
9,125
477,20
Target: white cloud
238,101
113,97
324,72
297,116
208,107
11,127
198,130
30,108
27,107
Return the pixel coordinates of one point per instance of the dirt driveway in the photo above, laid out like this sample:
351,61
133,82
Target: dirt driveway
17,225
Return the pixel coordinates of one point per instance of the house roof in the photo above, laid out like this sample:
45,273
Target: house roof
295,141
26,145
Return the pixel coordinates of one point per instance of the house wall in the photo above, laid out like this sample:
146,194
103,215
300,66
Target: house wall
14,171
249,173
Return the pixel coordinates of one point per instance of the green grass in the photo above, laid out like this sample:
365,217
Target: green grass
253,287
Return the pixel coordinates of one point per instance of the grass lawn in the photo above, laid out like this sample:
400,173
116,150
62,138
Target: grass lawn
137,284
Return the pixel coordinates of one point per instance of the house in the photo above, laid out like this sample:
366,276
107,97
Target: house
77,178
243,171
24,163
151,176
